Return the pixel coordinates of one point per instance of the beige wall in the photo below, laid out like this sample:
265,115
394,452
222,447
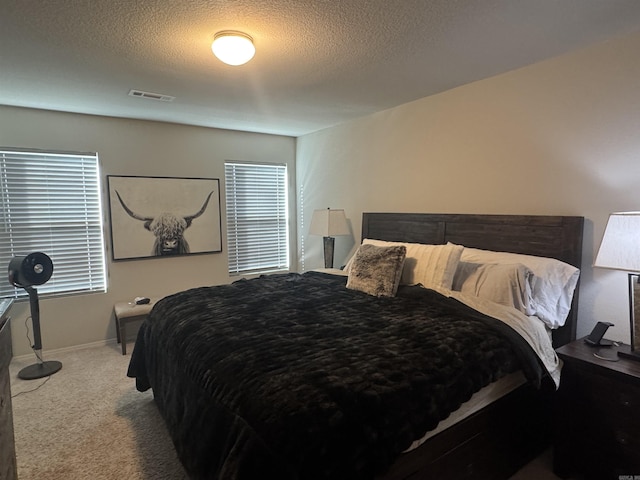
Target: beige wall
560,137
131,147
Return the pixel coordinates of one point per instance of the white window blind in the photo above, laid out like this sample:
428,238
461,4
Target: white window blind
257,236
50,203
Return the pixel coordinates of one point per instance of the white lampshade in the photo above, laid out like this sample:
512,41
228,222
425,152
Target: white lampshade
620,246
329,223
233,48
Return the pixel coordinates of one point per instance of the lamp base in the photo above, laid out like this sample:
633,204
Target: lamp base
630,356
328,251
39,370
624,351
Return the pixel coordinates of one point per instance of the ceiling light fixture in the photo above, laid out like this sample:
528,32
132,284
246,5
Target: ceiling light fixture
233,48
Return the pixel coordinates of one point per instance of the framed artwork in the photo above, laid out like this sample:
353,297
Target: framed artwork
163,216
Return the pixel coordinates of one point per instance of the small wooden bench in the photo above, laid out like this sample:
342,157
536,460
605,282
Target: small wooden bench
126,312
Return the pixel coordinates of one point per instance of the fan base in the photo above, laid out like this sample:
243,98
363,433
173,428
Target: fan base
39,370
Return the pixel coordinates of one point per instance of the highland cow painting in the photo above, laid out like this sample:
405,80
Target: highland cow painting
155,217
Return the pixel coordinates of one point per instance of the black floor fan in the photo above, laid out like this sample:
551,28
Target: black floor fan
34,269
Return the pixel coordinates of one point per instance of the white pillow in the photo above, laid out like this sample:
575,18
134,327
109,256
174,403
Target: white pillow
552,286
507,284
432,266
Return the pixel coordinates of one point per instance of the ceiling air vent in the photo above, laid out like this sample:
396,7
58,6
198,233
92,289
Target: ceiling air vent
151,96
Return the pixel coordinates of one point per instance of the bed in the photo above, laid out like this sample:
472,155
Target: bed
297,376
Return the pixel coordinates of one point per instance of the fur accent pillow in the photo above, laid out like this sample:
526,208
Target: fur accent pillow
377,270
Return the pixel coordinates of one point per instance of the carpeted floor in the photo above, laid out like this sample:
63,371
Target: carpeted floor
89,422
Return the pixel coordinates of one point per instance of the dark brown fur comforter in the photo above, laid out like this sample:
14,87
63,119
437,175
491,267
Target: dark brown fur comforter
296,377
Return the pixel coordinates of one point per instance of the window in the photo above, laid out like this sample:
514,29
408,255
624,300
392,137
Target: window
50,203
257,236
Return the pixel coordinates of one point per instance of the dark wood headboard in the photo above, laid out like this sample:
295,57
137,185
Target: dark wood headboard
558,237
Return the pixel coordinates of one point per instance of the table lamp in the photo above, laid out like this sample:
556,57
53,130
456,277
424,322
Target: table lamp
329,223
620,250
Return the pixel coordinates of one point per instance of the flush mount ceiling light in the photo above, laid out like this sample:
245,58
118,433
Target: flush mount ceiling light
233,48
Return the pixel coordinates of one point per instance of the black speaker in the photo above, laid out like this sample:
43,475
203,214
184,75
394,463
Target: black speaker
33,269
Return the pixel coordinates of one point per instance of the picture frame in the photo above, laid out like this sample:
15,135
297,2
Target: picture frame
155,217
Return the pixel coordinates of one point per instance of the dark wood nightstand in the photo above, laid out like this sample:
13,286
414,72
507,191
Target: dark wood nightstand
597,411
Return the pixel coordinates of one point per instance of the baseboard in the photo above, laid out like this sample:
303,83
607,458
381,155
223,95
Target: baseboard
47,353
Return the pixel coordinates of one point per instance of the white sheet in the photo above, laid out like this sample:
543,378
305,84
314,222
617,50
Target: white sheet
531,328
478,400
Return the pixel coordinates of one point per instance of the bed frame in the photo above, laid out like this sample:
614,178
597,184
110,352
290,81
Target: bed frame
504,436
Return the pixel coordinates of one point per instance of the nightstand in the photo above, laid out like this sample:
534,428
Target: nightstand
597,424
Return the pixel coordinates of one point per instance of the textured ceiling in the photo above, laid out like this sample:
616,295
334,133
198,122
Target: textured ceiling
318,63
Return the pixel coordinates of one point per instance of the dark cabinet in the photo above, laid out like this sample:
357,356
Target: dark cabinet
597,424
8,469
